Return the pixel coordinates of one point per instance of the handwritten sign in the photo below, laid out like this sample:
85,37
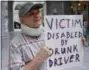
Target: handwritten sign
63,37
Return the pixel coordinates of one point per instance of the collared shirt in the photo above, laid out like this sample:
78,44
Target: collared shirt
22,50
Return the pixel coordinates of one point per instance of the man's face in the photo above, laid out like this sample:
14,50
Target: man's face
33,18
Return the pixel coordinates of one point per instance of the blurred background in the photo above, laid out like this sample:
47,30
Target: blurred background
10,25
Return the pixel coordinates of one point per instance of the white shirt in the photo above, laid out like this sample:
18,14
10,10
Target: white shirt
22,50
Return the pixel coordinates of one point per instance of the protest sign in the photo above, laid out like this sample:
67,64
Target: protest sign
63,35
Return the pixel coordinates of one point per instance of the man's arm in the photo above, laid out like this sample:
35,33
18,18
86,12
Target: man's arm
37,60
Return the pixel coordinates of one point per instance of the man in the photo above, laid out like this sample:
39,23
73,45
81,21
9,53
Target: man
28,50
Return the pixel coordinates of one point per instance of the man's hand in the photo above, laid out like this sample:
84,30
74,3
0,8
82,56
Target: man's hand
43,54
83,40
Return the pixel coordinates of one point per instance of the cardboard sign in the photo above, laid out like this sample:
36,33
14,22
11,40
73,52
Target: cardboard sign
63,37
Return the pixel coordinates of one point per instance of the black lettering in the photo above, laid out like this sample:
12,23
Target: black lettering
76,34
56,23
60,60
50,63
56,51
66,60
77,58
49,35
71,34
68,34
68,23
50,25
57,35
62,42
80,34
63,50
69,49
75,48
78,21
66,42
71,58
61,23
55,62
